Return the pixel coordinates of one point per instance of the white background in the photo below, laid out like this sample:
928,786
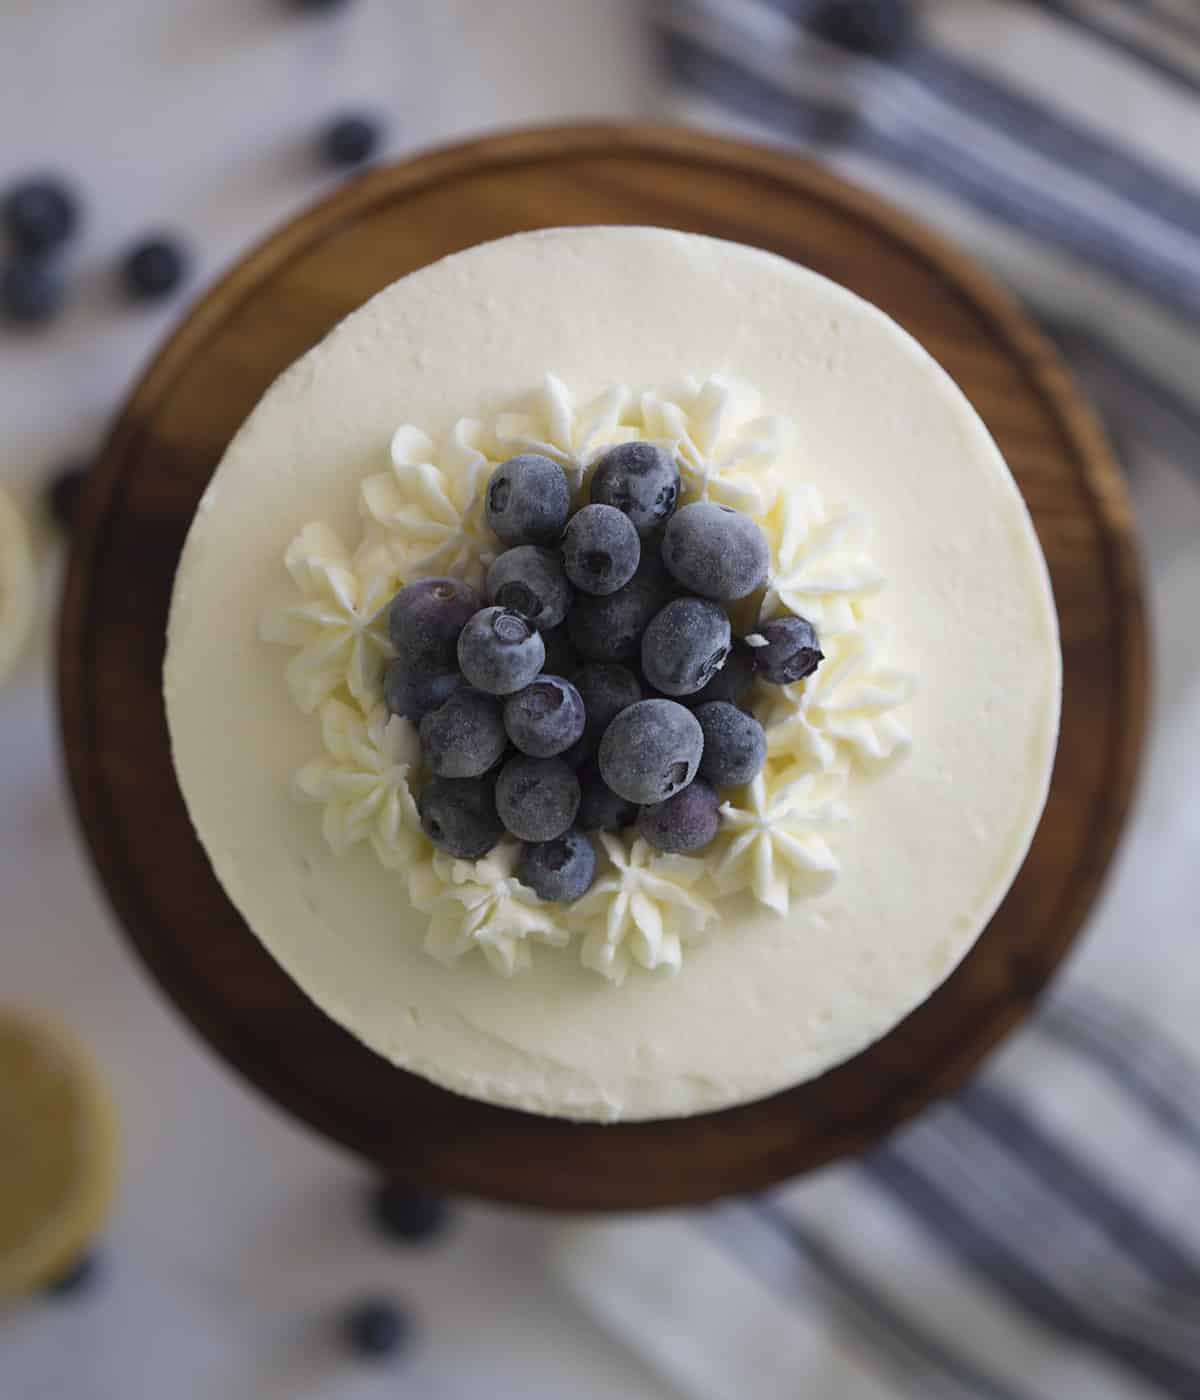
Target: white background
239,1234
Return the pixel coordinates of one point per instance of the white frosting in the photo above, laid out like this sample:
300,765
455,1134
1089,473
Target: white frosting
763,999
18,583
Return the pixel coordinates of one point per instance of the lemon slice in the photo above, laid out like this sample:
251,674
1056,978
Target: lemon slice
58,1153
18,583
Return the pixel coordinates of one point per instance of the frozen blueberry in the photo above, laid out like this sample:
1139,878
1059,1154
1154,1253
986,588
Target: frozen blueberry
424,622
561,869
732,682
63,492
610,628
459,815
81,1277
876,27
606,691
651,750
39,214
154,267
414,696
641,480
376,1328
499,651
685,645
685,822
735,744
545,718
528,500
715,551
791,653
349,140
537,798
465,736
561,657
600,809
31,291
408,1214
530,580
600,549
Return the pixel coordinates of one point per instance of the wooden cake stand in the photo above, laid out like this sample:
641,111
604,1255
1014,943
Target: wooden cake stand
281,299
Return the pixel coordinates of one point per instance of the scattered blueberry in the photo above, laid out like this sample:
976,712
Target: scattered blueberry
876,27
735,744
537,798
154,267
545,718
561,869
31,291
459,815
81,1277
350,139
600,549
651,750
610,628
685,645
413,697
465,736
39,214
715,551
530,580
561,657
606,691
641,480
424,622
407,1213
376,1327
793,650
600,809
528,500
688,821
732,682
62,494
499,651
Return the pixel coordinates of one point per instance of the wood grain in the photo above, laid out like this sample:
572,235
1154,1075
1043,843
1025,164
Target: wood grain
281,299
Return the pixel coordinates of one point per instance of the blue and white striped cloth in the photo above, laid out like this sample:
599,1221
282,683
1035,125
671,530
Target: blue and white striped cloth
1038,1237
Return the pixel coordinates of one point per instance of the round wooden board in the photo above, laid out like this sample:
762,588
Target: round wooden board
281,299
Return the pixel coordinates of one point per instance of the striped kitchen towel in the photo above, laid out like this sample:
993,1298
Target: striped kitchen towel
1035,1238
1058,139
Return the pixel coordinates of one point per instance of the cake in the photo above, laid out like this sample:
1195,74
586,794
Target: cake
903,776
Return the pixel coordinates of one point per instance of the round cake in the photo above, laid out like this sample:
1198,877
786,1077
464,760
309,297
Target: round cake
836,715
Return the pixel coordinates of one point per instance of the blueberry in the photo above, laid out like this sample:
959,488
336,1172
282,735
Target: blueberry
877,27
545,718
732,682
528,500
376,1327
651,750
154,267
81,1277
537,798
459,815
413,697
561,869
465,736
31,291
688,821
63,492
499,651
606,691
600,809
685,645
715,551
561,657
424,622
407,1213
39,214
610,628
530,580
350,139
641,480
600,549
792,651
735,744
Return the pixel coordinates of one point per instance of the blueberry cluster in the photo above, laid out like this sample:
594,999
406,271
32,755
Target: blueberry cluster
597,684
